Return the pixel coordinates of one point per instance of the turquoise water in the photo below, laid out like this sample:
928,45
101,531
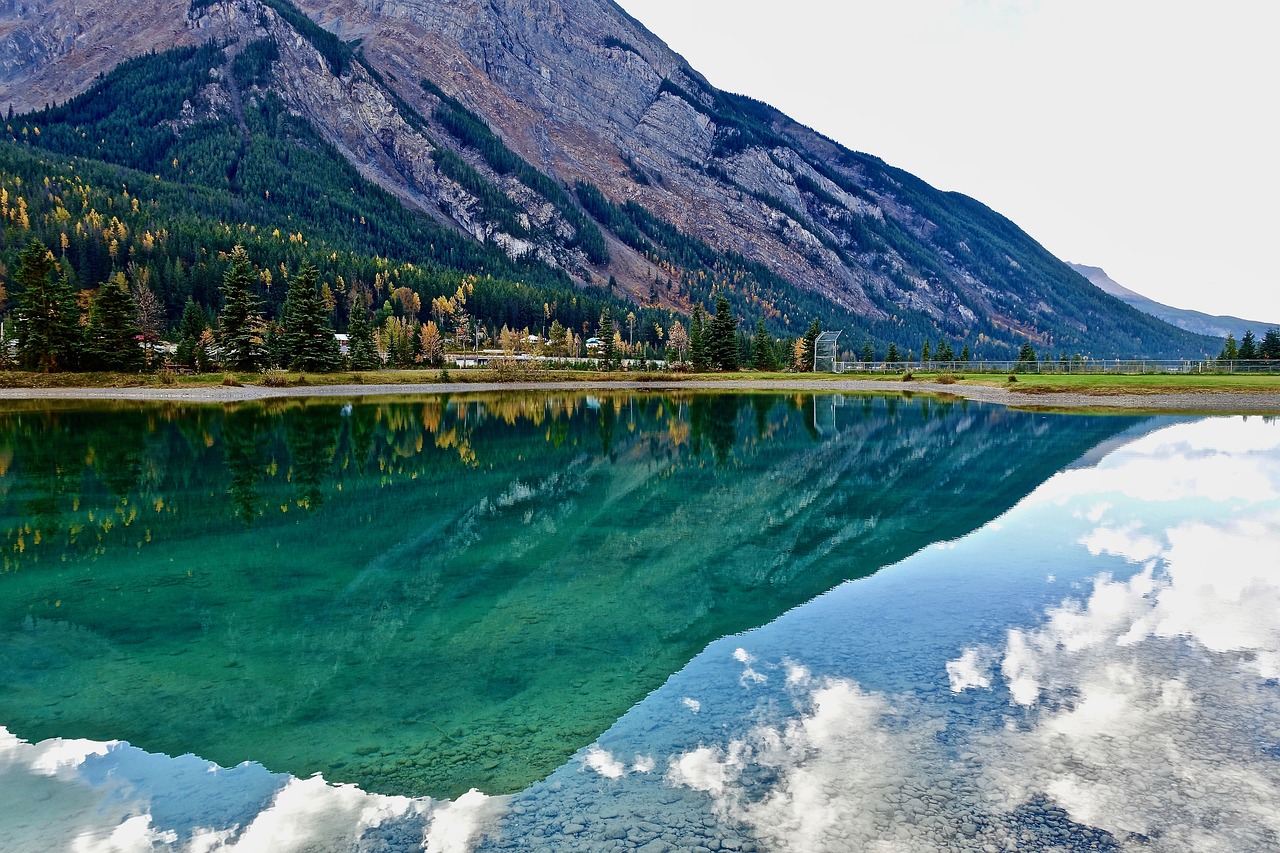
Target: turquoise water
769,623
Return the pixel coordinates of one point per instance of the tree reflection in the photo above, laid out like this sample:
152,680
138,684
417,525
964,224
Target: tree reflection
246,460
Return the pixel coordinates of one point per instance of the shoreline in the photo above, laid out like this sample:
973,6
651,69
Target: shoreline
1182,403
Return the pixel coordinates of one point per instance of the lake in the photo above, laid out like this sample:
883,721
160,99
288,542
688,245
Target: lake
655,621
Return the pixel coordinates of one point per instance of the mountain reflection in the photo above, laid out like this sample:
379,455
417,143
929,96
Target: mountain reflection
427,595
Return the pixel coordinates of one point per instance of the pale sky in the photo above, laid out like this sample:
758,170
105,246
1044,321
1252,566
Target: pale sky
1135,136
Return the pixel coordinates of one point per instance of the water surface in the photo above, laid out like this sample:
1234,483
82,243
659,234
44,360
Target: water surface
1029,632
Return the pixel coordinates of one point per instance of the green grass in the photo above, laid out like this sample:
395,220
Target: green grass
1031,384
1106,384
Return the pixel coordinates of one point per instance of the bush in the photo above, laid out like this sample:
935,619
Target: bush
229,379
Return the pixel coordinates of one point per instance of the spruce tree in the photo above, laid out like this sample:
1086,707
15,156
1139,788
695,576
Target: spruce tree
762,349
698,339
49,336
1270,348
1248,346
361,351
1027,353
111,342
190,328
868,353
608,349
310,341
241,325
810,345
893,354
1230,352
722,342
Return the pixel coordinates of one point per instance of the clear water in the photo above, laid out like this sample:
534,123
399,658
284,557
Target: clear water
425,597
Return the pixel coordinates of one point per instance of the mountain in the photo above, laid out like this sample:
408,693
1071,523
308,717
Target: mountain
568,137
1217,326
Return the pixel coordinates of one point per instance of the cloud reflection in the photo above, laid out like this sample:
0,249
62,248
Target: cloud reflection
109,797
1140,713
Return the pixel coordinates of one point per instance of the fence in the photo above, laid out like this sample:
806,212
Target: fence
1080,365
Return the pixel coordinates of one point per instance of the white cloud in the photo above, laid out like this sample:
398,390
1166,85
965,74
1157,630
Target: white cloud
971,669
1139,709
603,762
456,826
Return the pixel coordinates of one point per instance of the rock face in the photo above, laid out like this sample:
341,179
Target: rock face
51,50
585,93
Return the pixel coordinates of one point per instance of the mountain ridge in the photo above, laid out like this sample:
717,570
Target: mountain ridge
584,94
1198,322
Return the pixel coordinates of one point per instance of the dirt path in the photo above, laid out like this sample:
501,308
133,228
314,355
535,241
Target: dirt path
1206,402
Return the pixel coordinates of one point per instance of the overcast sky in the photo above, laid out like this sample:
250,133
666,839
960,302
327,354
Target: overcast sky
1135,136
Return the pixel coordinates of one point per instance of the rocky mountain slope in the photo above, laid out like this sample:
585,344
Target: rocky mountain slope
1217,326
565,133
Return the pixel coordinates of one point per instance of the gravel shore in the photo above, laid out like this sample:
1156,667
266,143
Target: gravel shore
1200,402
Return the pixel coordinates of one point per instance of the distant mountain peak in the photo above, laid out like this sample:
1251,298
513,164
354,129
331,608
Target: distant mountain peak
1217,326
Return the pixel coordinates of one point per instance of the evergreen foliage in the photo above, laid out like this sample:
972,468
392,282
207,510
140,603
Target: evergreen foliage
190,330
241,327
1248,346
809,345
111,341
1230,351
608,349
722,344
362,353
49,336
698,353
1270,348
309,343
762,351
1027,353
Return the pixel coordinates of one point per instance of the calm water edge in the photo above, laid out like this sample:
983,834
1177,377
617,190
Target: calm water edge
660,621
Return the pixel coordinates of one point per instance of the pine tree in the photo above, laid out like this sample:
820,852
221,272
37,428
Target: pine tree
698,339
809,345
1248,346
49,334
1270,348
111,342
965,355
241,325
190,328
608,347
361,351
893,354
1027,353
925,354
722,339
1230,352
868,353
310,339
762,349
